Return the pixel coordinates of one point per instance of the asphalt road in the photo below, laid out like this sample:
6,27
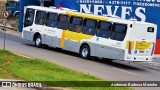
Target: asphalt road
113,71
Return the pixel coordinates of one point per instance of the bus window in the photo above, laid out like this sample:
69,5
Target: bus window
89,27
104,29
63,22
76,24
29,17
40,17
118,31
150,29
52,19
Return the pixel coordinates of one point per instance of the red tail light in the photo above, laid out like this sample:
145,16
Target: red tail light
153,49
129,48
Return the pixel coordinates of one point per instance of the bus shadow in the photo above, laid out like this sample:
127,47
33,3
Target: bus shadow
109,62
57,50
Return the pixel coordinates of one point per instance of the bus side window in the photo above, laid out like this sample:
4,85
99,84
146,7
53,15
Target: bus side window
118,32
40,17
89,27
63,22
76,24
104,29
29,17
52,19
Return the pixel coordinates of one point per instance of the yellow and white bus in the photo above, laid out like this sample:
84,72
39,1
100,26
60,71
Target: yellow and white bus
90,35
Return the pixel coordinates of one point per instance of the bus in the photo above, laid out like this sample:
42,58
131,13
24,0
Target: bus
90,35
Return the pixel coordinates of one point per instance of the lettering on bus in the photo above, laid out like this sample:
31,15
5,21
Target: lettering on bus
126,11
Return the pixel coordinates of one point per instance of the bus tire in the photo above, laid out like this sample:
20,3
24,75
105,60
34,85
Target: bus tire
38,41
85,52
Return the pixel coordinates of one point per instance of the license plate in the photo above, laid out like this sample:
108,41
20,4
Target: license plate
141,51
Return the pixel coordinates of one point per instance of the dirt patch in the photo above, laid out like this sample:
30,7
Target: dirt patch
2,8
14,22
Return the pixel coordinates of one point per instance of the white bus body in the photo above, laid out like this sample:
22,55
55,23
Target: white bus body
98,36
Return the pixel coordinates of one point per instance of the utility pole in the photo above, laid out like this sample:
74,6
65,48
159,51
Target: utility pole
5,22
5,15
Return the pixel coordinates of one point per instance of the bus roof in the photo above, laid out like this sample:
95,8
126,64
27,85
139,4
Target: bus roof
85,15
128,21
47,9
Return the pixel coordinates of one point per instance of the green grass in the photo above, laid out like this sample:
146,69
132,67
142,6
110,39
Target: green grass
3,74
40,70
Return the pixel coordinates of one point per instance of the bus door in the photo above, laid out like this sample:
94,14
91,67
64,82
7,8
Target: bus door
28,24
39,25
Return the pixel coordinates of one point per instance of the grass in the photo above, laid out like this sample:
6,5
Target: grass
3,74
19,67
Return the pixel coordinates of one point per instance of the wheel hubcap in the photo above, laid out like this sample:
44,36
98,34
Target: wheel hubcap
85,52
38,41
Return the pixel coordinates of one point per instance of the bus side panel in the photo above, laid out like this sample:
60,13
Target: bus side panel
103,51
52,37
109,52
26,35
71,45
48,40
71,42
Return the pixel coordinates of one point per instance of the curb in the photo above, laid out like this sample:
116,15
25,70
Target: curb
42,88
10,31
54,88
151,65
22,55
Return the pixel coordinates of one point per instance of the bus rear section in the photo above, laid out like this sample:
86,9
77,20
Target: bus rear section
141,42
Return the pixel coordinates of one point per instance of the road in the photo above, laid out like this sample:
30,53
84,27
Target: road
113,71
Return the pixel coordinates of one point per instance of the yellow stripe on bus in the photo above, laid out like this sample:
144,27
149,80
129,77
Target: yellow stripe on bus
73,36
62,39
88,16
76,36
83,36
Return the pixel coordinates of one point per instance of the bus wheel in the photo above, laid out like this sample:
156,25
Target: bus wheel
85,52
38,41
